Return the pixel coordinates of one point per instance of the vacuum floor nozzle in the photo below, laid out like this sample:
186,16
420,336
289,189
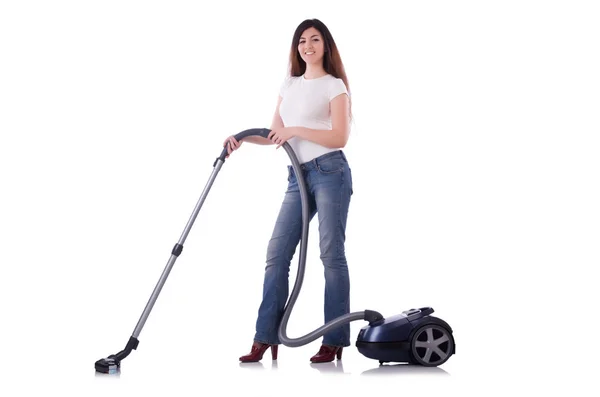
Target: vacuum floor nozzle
108,365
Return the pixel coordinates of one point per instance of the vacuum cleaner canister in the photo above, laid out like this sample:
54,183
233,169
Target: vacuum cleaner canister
412,336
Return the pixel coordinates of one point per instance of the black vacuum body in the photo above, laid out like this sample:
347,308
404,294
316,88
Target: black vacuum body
412,336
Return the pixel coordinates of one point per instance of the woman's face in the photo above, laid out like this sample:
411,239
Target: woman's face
311,46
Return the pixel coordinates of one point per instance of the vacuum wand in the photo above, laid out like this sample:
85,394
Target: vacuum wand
112,363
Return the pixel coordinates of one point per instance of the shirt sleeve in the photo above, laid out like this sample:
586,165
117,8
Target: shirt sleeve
336,88
283,87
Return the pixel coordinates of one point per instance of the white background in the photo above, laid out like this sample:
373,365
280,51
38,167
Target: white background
475,161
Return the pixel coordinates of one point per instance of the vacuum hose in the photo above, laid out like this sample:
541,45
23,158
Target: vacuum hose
369,315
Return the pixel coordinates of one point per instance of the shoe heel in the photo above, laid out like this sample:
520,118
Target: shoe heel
339,353
274,352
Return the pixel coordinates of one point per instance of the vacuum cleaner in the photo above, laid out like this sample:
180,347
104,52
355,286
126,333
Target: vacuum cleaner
413,336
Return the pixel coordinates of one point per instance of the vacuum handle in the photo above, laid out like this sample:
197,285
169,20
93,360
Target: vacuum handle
264,132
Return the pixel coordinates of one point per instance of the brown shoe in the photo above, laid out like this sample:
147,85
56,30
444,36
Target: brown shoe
327,353
257,351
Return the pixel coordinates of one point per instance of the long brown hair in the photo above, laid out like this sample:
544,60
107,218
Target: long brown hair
332,61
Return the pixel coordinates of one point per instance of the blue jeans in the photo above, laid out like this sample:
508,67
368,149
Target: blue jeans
329,185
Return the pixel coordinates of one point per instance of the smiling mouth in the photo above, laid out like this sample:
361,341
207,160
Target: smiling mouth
309,53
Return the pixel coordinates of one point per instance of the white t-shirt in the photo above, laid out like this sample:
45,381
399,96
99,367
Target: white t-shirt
306,104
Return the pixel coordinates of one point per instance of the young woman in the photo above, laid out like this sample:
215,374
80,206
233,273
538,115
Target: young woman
313,116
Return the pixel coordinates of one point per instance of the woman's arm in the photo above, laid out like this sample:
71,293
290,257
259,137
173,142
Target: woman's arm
338,136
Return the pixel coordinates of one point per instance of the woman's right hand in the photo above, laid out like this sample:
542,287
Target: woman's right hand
232,144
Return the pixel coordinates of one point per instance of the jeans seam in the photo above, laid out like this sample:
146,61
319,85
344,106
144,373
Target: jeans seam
339,209
274,327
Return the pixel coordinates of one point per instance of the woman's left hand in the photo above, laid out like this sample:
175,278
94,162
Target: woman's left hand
281,135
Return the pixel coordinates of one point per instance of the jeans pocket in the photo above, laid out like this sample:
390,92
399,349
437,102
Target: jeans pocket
331,166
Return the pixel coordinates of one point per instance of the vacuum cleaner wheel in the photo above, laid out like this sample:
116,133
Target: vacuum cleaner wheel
431,345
